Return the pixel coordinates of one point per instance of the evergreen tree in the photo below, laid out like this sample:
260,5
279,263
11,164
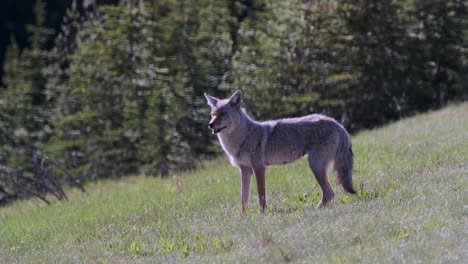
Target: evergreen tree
289,63
23,111
379,50
12,81
201,61
193,46
441,30
23,102
90,105
132,91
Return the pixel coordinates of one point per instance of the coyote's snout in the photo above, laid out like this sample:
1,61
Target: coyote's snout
252,145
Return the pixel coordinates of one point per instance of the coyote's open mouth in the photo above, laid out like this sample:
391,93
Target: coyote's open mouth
217,130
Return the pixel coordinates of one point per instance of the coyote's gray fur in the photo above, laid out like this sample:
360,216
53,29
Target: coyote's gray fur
252,145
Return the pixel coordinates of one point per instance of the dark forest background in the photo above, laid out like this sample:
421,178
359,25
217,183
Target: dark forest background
112,88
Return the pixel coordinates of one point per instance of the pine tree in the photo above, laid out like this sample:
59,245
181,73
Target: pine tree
379,49
23,101
441,30
203,58
192,49
289,60
12,81
91,103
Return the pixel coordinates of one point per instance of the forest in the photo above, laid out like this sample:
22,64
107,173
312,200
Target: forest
120,89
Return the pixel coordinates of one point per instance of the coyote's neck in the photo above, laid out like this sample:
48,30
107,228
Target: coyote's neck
233,140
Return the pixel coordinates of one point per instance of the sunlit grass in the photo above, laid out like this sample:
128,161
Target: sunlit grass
411,207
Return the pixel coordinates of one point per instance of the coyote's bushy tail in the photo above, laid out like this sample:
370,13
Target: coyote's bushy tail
344,163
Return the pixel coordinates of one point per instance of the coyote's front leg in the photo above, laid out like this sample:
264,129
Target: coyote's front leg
260,175
246,175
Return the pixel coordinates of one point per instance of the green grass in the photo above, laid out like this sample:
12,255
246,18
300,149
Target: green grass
412,207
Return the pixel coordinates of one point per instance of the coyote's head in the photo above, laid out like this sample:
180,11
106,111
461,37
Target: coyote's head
225,113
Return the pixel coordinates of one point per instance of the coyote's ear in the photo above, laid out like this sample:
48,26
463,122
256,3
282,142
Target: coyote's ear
236,99
211,100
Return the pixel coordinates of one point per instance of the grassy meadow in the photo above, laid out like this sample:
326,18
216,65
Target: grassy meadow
412,207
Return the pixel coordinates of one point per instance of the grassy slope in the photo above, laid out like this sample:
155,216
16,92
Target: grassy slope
412,207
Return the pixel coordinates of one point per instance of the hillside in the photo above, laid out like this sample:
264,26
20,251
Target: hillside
412,207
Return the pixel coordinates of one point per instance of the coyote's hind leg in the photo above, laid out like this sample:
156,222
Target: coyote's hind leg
319,167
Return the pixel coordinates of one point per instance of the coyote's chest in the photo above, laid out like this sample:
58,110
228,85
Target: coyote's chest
236,153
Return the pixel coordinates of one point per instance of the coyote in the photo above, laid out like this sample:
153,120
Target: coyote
252,145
